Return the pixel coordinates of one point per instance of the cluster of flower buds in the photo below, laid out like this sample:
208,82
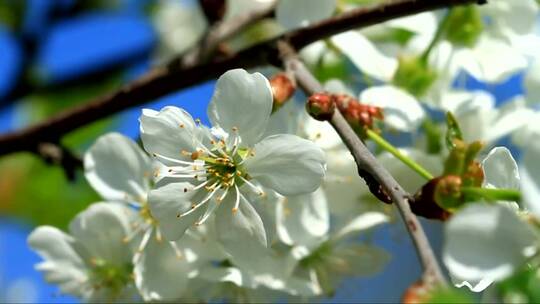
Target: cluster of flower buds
442,195
360,116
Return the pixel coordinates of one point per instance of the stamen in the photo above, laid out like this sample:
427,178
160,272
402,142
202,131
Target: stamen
172,159
253,187
136,230
220,199
159,237
237,202
199,186
195,207
179,254
207,214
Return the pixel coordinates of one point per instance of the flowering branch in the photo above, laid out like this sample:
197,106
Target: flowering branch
167,79
370,167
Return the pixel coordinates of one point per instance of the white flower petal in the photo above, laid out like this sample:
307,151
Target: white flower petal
365,56
63,265
500,169
359,260
362,222
170,200
486,242
511,18
244,101
298,13
401,110
161,275
241,233
321,133
483,61
288,164
530,176
117,168
169,131
303,219
532,82
101,229
475,286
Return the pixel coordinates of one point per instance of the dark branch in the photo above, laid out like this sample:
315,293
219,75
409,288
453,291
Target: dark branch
165,80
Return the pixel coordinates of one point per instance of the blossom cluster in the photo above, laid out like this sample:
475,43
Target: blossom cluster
266,203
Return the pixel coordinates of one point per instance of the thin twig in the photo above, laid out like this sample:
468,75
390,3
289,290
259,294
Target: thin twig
165,80
366,162
56,154
224,30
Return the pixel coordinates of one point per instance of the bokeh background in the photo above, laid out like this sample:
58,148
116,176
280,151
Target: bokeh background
55,54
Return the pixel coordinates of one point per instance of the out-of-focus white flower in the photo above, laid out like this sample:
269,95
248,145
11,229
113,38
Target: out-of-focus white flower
299,13
92,261
479,119
219,167
121,172
180,26
487,243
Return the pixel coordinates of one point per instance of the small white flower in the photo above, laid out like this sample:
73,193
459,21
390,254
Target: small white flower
121,172
479,119
92,262
216,174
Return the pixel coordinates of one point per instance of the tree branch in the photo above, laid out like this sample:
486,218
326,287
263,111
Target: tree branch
165,80
369,168
222,31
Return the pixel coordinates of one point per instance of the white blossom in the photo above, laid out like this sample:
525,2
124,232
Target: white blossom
92,261
217,168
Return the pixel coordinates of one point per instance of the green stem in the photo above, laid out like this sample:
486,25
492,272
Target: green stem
491,194
438,35
394,151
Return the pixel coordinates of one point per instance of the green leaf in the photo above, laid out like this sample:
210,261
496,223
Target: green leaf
40,193
433,136
522,287
453,132
449,295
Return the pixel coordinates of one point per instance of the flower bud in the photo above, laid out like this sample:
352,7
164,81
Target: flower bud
448,192
414,76
283,88
424,204
474,176
416,293
360,116
321,106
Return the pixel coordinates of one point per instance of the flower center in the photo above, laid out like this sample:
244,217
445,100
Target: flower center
215,171
114,278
